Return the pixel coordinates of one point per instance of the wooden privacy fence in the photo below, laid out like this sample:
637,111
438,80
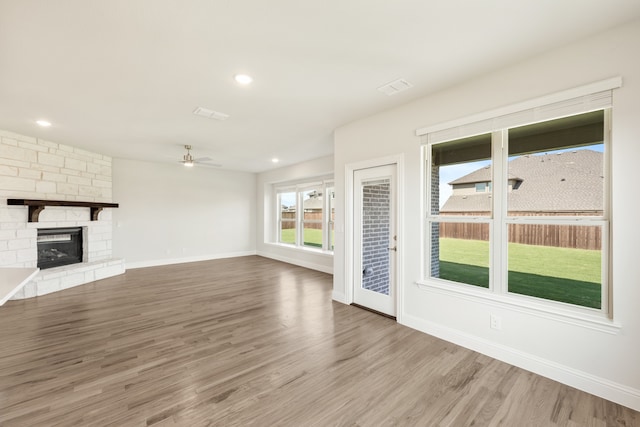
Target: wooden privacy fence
289,220
563,236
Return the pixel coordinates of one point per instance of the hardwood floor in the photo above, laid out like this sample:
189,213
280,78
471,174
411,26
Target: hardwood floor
254,342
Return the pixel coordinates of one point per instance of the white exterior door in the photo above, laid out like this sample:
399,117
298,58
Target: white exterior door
375,239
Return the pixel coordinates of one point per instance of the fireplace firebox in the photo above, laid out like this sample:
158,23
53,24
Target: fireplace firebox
59,246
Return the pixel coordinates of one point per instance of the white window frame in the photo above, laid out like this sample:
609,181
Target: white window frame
328,222
575,101
299,189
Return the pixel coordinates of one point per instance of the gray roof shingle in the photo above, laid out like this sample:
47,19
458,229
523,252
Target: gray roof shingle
568,181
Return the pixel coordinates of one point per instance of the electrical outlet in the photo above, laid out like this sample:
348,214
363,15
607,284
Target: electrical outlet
495,322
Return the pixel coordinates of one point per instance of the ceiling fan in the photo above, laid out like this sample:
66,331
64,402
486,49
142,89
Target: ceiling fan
189,161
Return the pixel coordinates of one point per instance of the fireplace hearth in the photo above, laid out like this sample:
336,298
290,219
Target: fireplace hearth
59,246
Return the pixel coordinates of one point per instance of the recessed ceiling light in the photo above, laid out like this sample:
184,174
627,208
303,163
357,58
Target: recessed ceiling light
243,79
44,123
275,160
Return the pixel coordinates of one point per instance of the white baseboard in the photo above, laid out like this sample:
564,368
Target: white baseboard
298,262
589,383
168,261
339,297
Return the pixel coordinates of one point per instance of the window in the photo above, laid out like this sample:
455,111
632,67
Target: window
287,217
312,212
522,211
305,215
481,187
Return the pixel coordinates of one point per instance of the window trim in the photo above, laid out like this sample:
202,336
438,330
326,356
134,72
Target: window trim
532,104
600,319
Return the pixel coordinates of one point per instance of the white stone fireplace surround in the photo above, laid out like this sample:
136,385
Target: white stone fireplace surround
33,168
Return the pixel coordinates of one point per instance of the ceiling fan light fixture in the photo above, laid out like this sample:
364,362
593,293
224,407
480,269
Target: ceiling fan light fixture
189,161
187,158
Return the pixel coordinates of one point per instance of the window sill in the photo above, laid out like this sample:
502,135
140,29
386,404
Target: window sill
523,304
313,251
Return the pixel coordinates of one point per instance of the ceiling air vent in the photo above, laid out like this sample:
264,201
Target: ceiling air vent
210,114
394,87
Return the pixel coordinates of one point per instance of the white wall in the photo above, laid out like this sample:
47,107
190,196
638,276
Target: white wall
599,362
170,214
305,171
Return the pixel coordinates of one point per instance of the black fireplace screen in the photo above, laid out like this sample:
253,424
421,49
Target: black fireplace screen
59,246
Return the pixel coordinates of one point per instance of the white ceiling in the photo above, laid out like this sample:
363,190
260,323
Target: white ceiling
122,77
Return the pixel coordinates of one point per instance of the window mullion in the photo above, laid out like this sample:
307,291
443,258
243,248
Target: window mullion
606,210
299,218
498,246
606,296
325,222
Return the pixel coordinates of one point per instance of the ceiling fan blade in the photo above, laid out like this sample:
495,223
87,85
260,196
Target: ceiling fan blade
209,165
203,159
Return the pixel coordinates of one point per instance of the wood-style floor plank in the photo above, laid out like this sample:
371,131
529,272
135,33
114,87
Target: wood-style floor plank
254,342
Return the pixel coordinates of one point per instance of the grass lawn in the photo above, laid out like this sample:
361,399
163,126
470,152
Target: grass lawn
559,274
312,237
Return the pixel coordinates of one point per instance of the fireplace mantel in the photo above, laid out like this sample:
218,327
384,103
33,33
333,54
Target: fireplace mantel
37,206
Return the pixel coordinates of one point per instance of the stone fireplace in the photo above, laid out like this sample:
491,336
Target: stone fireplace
33,168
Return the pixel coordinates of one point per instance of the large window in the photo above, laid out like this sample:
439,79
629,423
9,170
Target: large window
305,215
522,211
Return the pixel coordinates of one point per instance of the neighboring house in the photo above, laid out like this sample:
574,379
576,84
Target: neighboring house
550,184
567,183
314,203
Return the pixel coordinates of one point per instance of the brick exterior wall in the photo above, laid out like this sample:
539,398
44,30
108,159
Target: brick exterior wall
375,236
435,227
33,168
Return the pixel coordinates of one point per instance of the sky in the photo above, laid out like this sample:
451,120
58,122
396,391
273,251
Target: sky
453,172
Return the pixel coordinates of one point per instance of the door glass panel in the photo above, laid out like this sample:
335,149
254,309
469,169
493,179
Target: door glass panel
376,220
